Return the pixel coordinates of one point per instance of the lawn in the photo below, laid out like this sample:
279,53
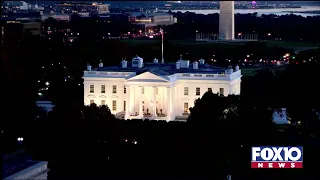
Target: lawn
293,44
269,43
251,71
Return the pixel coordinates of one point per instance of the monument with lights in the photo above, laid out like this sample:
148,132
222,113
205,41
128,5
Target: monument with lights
226,27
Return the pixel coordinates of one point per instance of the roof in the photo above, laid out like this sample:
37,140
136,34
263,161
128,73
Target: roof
165,69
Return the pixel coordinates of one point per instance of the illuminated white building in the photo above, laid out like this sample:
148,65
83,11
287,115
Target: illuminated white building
156,90
226,20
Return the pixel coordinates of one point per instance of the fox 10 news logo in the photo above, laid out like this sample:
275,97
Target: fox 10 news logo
276,157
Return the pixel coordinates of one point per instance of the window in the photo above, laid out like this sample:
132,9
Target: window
91,101
114,89
186,91
209,89
221,92
186,107
197,91
114,105
125,90
124,105
103,88
91,88
103,102
142,90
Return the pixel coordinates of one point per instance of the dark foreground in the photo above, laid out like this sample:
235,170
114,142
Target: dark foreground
160,150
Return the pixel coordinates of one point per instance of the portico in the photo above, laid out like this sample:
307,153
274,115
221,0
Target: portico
148,97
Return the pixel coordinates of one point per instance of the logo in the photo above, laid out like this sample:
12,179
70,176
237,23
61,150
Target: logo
276,157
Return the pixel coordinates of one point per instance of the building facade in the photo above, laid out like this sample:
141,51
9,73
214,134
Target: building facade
163,91
226,20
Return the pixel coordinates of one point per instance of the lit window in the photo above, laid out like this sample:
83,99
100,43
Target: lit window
91,101
114,105
124,105
221,92
114,89
186,107
103,102
197,91
125,90
186,91
210,89
91,88
103,88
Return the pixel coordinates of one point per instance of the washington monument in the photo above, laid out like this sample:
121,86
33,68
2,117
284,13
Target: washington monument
226,20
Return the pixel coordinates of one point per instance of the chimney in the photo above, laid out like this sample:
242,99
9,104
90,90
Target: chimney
101,64
201,61
155,60
88,67
237,68
124,63
178,64
195,65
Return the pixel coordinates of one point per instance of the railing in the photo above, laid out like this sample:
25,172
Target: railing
106,74
232,76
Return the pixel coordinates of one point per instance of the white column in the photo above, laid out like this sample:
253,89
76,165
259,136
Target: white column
140,102
127,102
169,103
162,103
154,101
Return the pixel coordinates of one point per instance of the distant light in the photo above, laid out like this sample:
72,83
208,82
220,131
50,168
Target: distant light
135,142
253,2
78,84
42,67
78,34
239,34
248,55
108,33
287,54
40,94
150,36
47,83
269,34
38,80
71,34
65,80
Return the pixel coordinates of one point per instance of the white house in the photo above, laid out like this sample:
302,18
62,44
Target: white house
156,90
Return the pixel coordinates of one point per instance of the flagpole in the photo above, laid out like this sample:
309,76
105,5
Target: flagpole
162,59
